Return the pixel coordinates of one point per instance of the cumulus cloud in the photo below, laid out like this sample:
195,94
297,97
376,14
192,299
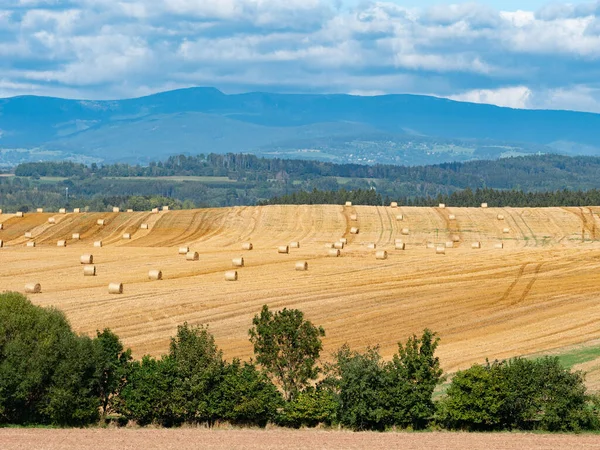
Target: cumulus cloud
549,58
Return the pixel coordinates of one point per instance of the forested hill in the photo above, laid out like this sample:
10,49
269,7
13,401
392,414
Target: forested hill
390,129
530,173
230,180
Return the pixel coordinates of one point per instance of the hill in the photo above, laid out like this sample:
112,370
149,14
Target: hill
536,295
398,129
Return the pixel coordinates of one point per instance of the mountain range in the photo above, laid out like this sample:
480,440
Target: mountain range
398,129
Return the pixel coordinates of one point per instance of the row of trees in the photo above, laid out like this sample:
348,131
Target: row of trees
50,375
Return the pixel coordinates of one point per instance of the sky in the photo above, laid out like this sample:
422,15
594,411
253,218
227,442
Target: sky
521,54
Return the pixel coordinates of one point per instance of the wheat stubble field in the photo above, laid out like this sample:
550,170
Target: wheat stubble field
539,294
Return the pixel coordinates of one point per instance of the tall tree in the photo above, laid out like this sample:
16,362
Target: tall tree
287,346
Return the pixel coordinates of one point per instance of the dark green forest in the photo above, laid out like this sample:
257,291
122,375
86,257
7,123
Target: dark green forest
239,179
49,375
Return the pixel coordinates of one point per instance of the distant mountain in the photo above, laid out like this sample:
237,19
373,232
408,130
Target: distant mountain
399,129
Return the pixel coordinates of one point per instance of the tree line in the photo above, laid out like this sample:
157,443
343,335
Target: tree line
527,173
51,376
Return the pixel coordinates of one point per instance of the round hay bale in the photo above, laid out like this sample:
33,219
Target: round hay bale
451,217
400,217
372,246
500,217
0,211
192,256
62,211
76,236
98,244
86,259
40,210
165,208
89,271
144,226
1,243
348,203
354,230
101,222
1,226
476,245
130,210
394,204
33,288
155,210
430,245
237,262
20,214
62,243
294,244
400,246
283,249
484,205
381,254
184,250
30,244
499,245
405,231
353,217
126,235
449,244
115,288
28,234
76,210
231,275
506,230
301,266
455,238
338,245
343,241
440,251
334,252
51,220
247,246
329,245
116,210
442,206
155,275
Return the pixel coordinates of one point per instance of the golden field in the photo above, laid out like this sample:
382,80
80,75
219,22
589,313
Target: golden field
539,294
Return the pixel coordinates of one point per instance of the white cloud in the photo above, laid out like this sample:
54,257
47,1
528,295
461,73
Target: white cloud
116,48
512,97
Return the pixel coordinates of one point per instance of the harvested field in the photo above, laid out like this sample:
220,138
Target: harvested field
220,439
538,294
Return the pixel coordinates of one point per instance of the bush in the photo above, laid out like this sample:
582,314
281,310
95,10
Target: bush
518,394
47,372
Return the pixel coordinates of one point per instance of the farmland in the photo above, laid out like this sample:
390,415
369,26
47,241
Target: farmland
537,295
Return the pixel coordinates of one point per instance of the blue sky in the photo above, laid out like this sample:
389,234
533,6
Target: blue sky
526,54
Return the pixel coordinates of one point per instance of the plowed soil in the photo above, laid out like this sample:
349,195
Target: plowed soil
537,294
124,439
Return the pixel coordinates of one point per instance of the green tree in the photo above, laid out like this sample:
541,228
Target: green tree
113,364
246,396
287,346
359,381
47,372
413,375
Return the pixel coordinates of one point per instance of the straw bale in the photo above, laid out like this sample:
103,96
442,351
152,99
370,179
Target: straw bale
115,288
301,266
33,288
231,275
192,256
155,275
